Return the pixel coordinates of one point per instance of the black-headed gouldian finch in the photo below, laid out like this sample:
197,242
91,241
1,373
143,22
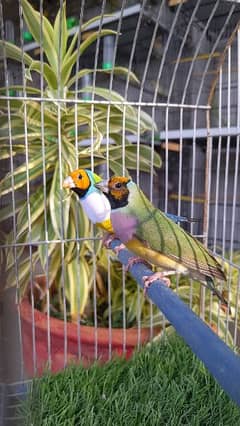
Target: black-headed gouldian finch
151,235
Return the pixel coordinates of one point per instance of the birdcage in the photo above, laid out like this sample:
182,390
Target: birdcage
148,89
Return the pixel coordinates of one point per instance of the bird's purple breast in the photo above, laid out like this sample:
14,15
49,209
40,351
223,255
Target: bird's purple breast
124,226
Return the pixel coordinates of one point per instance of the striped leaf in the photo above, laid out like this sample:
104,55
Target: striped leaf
116,71
60,27
35,169
69,62
58,203
77,284
33,21
13,52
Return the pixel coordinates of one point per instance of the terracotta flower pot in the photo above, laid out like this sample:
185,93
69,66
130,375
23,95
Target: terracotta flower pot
88,336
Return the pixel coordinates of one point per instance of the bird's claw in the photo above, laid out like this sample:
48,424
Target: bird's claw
133,260
117,249
108,239
149,279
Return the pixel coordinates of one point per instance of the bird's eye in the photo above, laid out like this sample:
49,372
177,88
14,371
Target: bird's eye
79,176
118,185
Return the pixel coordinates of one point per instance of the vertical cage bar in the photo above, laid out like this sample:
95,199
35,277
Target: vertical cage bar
45,190
62,236
225,196
235,192
226,178
92,168
78,244
166,160
107,160
28,189
219,150
13,200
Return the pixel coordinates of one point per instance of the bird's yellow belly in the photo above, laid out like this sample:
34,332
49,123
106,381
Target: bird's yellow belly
106,225
154,257
142,250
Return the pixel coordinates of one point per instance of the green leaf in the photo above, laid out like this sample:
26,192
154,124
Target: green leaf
83,28
7,211
69,153
69,62
5,153
46,250
117,168
60,27
35,168
59,205
71,234
147,121
33,21
17,87
92,37
77,286
36,202
34,115
116,70
30,136
217,323
23,277
14,104
145,153
81,221
49,75
111,95
54,265
13,52
95,19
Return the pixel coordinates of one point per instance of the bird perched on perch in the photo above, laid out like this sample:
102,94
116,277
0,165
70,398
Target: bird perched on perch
151,235
121,209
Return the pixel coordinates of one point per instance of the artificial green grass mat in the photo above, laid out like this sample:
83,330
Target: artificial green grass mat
163,384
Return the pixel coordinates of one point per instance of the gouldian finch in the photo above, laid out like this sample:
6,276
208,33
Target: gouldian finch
151,235
95,204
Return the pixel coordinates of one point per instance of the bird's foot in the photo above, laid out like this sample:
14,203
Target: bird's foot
117,249
108,239
133,260
149,279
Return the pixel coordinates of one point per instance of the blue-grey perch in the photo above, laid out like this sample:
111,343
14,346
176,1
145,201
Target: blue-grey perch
220,360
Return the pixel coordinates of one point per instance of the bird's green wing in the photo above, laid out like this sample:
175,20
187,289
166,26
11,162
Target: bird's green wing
165,236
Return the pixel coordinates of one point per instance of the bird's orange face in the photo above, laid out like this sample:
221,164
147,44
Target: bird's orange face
77,179
81,181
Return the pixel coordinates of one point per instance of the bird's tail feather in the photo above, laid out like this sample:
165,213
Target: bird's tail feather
211,286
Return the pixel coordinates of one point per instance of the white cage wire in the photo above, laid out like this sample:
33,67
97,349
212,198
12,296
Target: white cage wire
186,57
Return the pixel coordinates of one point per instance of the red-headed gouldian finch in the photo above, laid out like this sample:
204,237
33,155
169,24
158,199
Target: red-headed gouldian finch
151,235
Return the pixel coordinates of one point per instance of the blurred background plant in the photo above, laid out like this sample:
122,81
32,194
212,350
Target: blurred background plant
51,138
129,301
48,140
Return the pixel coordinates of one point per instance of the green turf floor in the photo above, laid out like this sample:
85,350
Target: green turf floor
164,384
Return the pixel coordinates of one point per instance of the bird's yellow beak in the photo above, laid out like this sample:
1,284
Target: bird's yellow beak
68,183
102,186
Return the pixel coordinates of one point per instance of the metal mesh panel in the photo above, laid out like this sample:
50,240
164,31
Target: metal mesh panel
186,58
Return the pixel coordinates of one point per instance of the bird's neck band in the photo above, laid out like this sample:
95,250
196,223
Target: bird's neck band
80,192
